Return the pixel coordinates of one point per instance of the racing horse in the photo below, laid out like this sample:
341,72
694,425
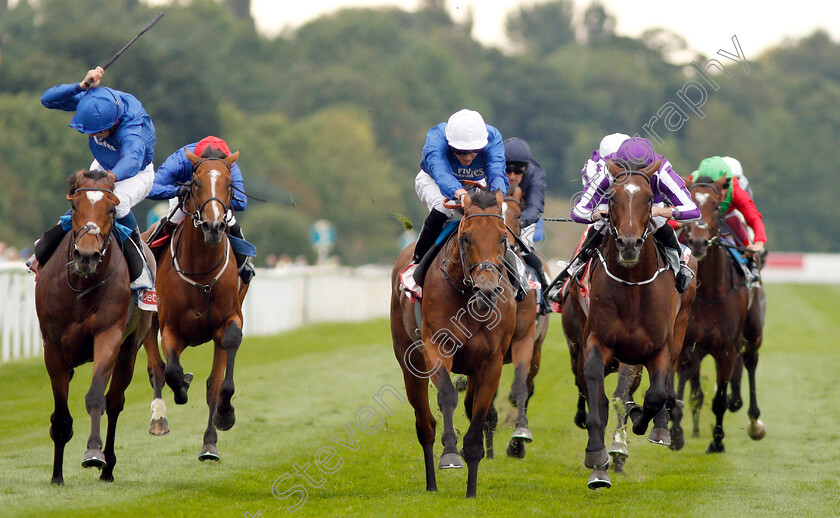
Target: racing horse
85,312
728,318
525,347
200,294
468,319
636,317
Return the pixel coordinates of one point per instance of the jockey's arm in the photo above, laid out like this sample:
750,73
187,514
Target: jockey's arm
742,202
672,186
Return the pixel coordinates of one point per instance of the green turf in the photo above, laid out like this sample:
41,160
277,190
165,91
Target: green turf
298,390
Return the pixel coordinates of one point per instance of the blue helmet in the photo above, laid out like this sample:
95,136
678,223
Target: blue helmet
97,111
517,150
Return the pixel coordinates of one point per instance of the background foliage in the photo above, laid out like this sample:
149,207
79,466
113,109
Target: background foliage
330,119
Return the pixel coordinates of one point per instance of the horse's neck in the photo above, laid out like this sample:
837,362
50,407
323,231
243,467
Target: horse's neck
191,251
715,273
450,261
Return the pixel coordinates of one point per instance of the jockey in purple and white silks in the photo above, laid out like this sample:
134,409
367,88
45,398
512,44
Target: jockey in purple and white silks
671,200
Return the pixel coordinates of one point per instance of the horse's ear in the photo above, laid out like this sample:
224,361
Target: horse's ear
113,198
614,168
194,159
500,197
652,168
721,184
517,194
230,159
688,182
468,200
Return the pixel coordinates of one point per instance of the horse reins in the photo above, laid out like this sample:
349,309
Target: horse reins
196,214
481,266
81,231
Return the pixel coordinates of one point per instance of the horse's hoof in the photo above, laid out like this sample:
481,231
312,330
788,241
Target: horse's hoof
94,458
224,422
635,415
516,448
159,426
597,460
106,477
756,430
188,377
735,404
599,479
660,436
450,461
640,428
715,447
180,395
489,453
619,448
580,420
461,383
57,481
209,452
618,460
677,438
524,434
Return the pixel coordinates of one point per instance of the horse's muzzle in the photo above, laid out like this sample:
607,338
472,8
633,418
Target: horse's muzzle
699,247
86,263
629,249
213,231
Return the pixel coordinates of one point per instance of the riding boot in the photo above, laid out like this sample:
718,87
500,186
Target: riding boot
516,273
432,228
244,263
666,235
594,237
532,259
45,246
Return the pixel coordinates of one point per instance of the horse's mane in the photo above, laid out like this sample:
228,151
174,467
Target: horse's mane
93,175
211,152
484,199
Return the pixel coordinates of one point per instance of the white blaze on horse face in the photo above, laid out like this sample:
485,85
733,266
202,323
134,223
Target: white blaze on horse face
93,228
631,189
702,198
214,175
94,196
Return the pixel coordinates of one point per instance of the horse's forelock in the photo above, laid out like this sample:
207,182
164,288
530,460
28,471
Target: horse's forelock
484,199
211,152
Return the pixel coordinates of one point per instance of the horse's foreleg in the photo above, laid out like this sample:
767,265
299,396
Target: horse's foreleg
627,382
486,383
115,401
214,388
724,363
232,338
756,430
158,424
106,347
172,346
655,397
61,423
522,354
734,401
417,392
596,458
447,401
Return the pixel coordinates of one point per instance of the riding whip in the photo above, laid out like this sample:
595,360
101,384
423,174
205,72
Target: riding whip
157,17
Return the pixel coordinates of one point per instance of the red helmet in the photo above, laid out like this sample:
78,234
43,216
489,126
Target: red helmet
211,142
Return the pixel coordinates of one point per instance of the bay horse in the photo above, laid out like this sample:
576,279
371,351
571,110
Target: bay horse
636,317
525,348
200,295
85,311
468,319
727,320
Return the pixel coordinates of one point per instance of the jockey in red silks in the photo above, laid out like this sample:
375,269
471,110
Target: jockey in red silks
735,201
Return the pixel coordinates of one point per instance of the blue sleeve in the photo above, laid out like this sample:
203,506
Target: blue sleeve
175,169
62,97
495,148
239,201
132,150
535,201
436,163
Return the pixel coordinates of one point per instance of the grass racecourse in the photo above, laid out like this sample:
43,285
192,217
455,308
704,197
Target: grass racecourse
297,391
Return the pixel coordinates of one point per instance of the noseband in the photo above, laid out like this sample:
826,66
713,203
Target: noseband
483,265
81,231
196,214
702,224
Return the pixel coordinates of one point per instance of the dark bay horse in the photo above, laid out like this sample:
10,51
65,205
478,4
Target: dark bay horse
726,322
200,294
86,314
525,347
468,319
633,318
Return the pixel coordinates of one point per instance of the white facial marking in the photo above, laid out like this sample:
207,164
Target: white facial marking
94,196
702,198
632,189
93,228
214,175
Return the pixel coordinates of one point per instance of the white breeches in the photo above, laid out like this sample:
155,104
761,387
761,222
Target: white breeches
131,191
429,193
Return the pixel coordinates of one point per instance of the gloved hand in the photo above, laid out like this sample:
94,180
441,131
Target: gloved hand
183,191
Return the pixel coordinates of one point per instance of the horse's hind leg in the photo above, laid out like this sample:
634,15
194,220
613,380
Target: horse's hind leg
417,392
232,338
522,353
628,382
655,399
447,401
159,424
485,383
61,423
115,402
724,363
754,335
108,347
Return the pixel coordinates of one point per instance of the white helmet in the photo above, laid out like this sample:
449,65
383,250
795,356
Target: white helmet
734,166
611,143
466,130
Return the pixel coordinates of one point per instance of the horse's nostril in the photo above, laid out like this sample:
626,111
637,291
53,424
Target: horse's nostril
639,243
96,257
77,256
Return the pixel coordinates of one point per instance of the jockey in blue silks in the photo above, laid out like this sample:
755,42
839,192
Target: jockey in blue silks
177,170
121,138
463,148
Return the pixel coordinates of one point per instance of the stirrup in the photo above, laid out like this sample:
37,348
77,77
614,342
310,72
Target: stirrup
412,289
32,264
683,279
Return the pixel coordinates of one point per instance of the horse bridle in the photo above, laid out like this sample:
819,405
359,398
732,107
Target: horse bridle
81,231
196,214
715,239
612,228
483,265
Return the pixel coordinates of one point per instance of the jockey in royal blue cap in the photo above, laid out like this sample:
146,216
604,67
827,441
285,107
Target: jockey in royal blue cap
121,137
